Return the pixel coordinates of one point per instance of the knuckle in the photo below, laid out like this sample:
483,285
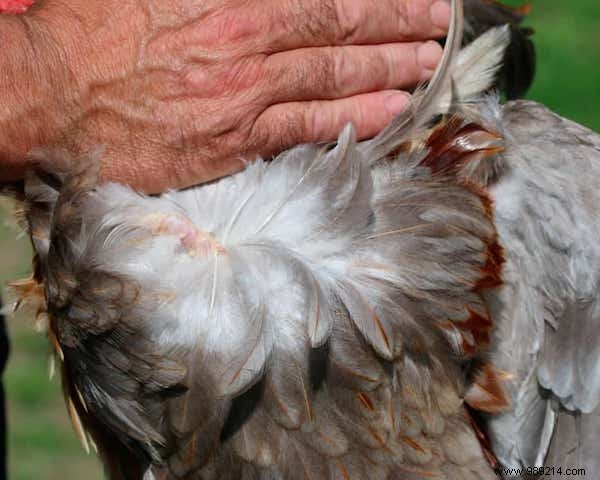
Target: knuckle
379,65
192,79
299,76
255,133
232,26
401,67
242,75
359,116
346,18
260,135
314,74
234,141
278,130
325,70
345,71
401,16
318,20
410,17
293,129
216,81
317,122
388,66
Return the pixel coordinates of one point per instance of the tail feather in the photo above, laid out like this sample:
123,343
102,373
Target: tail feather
424,101
518,66
463,78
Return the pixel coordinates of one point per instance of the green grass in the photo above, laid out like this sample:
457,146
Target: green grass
568,45
42,445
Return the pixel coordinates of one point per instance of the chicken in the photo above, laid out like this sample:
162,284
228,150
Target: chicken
420,305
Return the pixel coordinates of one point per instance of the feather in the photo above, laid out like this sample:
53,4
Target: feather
544,213
574,444
246,365
423,104
475,68
376,329
487,393
78,426
466,74
149,475
350,361
518,65
568,371
320,320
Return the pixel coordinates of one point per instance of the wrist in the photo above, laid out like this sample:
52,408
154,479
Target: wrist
33,93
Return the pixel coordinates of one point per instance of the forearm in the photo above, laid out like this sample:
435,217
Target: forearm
29,100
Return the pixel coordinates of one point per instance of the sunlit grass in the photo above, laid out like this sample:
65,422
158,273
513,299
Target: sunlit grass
42,445
568,45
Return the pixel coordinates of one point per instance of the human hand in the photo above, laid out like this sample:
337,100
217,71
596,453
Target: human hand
180,92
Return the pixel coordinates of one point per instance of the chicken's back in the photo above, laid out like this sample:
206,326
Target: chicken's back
547,211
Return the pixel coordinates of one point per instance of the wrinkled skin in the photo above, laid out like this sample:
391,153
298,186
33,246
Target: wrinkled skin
179,92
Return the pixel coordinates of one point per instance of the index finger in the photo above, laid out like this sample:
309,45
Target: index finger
313,23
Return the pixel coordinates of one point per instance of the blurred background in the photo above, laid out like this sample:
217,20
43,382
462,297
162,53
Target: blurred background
41,443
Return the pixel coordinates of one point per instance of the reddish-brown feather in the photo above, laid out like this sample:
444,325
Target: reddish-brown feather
451,145
484,442
412,444
454,143
366,401
487,392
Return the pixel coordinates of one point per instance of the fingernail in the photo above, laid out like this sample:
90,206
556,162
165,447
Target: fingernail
396,102
429,55
439,13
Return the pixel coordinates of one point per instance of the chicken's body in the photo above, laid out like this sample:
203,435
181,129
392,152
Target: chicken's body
547,211
341,311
